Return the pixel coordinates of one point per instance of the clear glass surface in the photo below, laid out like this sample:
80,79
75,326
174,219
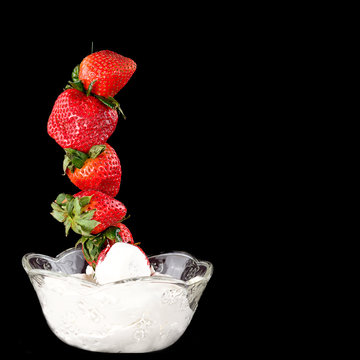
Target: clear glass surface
133,315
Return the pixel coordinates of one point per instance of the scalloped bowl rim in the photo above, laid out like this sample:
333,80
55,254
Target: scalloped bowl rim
60,275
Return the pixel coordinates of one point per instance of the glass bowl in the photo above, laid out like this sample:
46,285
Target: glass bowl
134,315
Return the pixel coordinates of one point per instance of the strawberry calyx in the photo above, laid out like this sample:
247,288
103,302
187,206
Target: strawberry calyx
94,245
76,159
70,210
77,84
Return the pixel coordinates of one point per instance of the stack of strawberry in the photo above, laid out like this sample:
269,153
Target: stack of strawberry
83,118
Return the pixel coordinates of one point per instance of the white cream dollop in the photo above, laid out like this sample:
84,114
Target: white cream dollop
122,261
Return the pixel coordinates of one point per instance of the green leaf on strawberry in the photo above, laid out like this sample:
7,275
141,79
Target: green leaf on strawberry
75,73
78,85
88,91
70,211
58,213
85,200
76,159
93,245
112,103
96,150
113,233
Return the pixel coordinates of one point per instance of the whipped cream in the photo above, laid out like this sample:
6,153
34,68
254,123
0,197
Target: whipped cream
122,261
134,316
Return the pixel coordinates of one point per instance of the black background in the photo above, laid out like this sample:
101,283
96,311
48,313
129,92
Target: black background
174,147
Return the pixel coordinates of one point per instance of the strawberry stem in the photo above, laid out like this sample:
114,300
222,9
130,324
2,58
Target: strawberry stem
125,218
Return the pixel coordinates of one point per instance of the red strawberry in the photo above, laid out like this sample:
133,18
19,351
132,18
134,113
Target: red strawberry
78,121
103,253
108,71
88,212
125,233
100,169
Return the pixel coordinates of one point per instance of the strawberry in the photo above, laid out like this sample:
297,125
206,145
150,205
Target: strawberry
100,169
124,233
78,121
88,212
102,254
106,71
